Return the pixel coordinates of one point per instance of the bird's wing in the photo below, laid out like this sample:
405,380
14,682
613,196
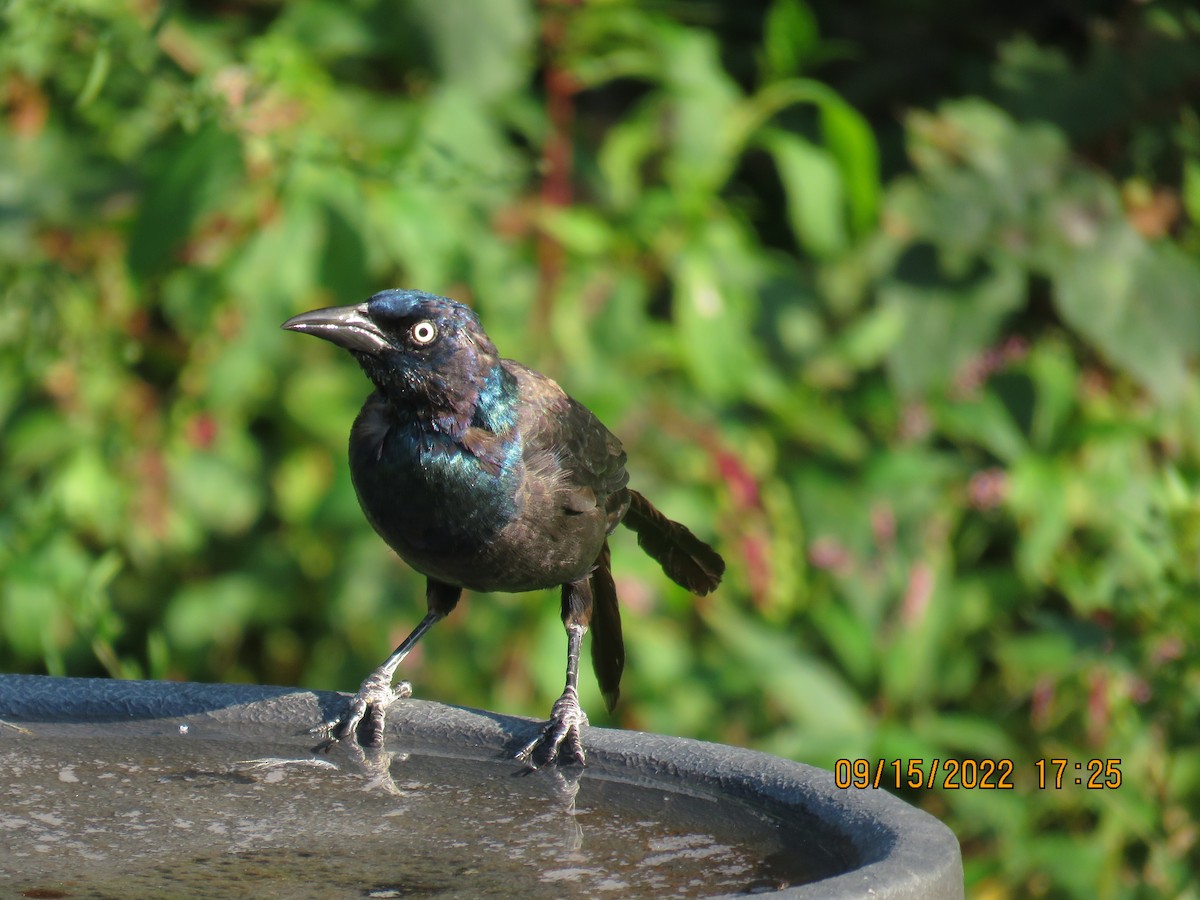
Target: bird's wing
595,459
591,459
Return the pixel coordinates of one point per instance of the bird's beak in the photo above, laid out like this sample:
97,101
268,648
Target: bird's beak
346,326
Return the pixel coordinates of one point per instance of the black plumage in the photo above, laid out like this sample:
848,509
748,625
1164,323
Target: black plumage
483,474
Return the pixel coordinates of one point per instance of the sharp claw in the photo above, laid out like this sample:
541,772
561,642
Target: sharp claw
575,747
323,729
375,719
402,691
560,740
371,703
348,724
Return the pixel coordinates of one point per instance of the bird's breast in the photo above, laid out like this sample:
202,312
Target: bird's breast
429,498
510,519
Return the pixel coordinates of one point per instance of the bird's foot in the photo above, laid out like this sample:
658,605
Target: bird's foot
371,703
560,739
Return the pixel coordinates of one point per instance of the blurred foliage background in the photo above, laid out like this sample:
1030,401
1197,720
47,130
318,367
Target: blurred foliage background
898,302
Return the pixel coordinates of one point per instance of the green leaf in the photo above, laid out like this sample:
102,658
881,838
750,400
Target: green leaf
851,640
971,735
984,421
1037,494
484,48
868,339
946,326
579,230
812,183
196,170
1137,303
214,614
1191,188
221,494
1055,378
701,93
623,155
30,610
91,495
790,38
850,139
711,308
809,689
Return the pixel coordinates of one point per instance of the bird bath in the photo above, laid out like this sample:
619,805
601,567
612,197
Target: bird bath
151,789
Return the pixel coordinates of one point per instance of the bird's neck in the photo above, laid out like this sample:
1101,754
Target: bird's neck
496,403
486,399
445,438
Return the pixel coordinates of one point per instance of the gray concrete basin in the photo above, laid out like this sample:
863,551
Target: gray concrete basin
152,789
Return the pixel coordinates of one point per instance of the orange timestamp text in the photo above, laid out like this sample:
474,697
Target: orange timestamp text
973,774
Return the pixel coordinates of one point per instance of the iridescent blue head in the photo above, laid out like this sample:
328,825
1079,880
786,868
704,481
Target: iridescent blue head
424,352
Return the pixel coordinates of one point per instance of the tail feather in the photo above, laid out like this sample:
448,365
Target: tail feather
608,646
686,559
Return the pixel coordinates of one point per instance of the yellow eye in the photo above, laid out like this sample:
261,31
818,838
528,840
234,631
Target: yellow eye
423,332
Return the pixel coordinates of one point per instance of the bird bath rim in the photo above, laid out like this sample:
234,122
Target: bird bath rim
901,851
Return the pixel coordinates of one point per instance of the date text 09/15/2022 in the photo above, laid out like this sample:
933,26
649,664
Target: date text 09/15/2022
974,774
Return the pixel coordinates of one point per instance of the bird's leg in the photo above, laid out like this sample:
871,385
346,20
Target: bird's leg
561,736
376,693
566,716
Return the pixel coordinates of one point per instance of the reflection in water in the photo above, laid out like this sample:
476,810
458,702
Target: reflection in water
562,787
382,767
178,815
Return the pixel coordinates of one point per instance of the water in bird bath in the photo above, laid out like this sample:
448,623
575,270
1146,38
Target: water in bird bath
164,809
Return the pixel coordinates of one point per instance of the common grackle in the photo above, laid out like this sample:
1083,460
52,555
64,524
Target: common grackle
483,474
